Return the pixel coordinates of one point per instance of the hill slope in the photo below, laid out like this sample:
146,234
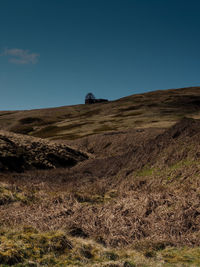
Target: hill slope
144,198
158,169
132,199
155,109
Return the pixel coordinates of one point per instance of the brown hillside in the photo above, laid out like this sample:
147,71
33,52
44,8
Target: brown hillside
154,109
130,199
139,195
147,147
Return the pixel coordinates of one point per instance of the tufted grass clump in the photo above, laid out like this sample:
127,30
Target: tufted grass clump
29,247
10,194
91,198
28,244
6,195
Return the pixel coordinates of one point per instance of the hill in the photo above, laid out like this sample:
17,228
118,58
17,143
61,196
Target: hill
131,200
154,109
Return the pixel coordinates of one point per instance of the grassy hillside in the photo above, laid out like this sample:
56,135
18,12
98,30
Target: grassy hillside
133,202
154,109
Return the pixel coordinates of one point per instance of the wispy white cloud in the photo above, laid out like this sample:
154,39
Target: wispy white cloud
20,56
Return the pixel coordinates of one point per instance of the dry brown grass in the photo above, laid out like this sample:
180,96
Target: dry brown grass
155,109
141,213
126,212
122,200
138,193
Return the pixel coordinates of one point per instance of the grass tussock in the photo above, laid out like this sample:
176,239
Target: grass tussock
10,194
29,247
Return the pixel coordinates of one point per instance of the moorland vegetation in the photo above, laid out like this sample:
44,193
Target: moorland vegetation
131,196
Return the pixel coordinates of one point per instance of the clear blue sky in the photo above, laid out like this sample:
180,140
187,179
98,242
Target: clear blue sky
53,52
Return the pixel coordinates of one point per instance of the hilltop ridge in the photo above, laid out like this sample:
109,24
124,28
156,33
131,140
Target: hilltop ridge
158,109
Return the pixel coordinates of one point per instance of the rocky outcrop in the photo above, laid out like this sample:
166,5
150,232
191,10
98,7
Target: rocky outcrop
19,153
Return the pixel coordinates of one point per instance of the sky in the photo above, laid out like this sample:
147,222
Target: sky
53,52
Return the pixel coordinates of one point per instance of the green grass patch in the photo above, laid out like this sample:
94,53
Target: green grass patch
181,164
95,198
29,247
188,256
145,172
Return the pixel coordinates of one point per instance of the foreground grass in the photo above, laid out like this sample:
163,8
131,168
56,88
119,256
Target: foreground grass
132,214
28,247
146,219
